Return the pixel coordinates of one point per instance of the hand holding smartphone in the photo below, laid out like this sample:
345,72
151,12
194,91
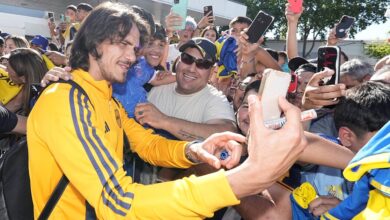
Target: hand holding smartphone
295,6
179,7
259,26
344,25
208,9
329,56
50,15
273,85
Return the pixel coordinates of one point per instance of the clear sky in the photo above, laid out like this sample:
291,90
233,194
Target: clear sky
375,32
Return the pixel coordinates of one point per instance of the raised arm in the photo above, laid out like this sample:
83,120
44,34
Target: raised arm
292,30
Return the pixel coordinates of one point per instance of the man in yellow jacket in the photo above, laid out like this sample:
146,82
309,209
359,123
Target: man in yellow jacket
81,137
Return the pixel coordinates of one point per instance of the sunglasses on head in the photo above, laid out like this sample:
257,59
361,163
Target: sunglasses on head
200,63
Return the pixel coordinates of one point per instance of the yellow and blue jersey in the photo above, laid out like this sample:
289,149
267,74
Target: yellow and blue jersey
8,89
227,58
370,169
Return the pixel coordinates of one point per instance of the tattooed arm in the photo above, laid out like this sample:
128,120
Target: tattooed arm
147,113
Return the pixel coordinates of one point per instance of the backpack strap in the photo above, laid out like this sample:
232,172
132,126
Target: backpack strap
64,181
54,198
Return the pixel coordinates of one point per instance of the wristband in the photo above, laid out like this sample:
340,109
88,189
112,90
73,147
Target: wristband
189,154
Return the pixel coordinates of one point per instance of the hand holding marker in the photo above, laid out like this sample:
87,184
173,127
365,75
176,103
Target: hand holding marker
276,124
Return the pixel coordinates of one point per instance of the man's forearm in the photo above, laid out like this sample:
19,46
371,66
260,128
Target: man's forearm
189,131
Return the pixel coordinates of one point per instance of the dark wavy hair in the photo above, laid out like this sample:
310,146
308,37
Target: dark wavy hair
111,21
365,108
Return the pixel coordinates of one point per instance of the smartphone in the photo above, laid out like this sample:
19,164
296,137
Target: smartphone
50,15
259,26
67,19
180,7
295,5
344,25
273,84
207,9
329,56
62,17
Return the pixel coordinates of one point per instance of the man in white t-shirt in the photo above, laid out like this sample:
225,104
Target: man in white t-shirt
189,109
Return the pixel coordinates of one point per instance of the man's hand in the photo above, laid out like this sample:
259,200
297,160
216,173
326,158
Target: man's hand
161,74
279,148
56,57
292,18
52,26
172,20
332,39
63,26
317,96
55,74
209,150
271,152
247,48
205,21
323,204
147,113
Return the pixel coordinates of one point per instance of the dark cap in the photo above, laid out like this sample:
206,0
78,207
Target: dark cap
4,35
307,67
85,6
296,62
204,45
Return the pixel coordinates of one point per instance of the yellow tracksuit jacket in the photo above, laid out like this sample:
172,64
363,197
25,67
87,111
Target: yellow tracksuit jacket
83,139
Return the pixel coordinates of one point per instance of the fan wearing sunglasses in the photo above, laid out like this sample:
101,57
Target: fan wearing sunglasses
189,109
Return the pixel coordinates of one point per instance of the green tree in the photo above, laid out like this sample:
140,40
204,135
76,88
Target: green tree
320,15
378,50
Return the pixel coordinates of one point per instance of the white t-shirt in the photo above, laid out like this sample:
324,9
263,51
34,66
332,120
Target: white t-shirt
200,107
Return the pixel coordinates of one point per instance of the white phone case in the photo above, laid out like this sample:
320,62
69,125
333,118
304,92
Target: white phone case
273,85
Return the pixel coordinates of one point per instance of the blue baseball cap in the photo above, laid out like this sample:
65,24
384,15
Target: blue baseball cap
40,41
204,45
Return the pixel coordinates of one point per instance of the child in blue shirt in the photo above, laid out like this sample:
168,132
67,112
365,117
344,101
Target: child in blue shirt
144,71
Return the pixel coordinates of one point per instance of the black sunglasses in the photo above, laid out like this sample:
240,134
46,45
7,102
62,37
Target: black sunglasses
200,63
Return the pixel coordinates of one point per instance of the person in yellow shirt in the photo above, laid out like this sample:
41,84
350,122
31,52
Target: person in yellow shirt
81,136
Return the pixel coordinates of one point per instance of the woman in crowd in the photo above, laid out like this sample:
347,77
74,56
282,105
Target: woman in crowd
26,68
210,32
13,42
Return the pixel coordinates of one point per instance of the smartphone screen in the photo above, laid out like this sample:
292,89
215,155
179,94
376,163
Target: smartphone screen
62,17
344,25
273,85
180,7
295,5
259,26
67,19
329,56
207,9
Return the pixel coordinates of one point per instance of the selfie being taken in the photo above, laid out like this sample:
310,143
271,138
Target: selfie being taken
223,110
